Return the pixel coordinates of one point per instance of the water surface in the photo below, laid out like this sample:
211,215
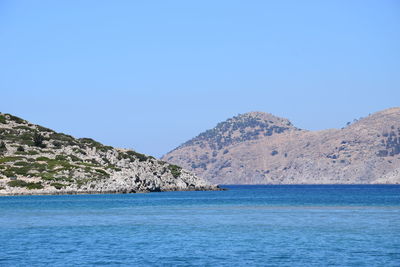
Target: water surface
346,225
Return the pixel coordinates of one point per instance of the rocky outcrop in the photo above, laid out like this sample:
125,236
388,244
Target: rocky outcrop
259,148
37,160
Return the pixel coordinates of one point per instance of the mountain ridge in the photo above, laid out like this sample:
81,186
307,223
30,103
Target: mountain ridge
259,122
365,151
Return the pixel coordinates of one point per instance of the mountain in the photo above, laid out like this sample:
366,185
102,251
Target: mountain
38,160
259,148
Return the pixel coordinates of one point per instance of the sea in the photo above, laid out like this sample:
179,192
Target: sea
259,225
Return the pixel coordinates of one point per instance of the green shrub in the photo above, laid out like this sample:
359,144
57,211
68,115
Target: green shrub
122,156
90,141
37,185
93,161
44,129
8,173
57,144
38,140
21,183
38,167
8,159
3,119
42,159
21,163
74,158
175,170
77,150
58,185
48,176
21,171
63,138
81,182
17,183
26,139
61,157
65,164
3,147
137,155
23,127
8,133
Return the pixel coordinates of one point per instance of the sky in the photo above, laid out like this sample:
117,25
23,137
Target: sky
150,75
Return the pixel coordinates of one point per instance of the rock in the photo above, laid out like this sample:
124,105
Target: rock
56,163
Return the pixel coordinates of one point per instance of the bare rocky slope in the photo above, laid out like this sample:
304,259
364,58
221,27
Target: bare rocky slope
259,148
37,160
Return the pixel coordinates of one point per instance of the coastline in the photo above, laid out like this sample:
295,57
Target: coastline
219,187
93,192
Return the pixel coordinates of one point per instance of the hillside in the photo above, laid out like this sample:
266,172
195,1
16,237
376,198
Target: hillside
259,148
37,160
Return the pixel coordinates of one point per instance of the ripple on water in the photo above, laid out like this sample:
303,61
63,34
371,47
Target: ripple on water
257,226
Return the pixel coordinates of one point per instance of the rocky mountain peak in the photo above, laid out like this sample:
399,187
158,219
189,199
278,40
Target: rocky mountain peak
265,117
243,127
379,123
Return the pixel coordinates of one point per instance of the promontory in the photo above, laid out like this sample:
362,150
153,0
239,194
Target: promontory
38,160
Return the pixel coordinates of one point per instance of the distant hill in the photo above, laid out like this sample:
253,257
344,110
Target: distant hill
38,160
259,148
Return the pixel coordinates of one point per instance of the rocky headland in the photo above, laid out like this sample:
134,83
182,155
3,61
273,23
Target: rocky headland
38,160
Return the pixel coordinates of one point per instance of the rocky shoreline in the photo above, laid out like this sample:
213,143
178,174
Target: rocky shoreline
86,192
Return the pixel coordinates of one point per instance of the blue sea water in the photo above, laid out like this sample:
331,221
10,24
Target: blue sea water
298,225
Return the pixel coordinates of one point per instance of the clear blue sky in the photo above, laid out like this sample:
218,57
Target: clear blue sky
149,75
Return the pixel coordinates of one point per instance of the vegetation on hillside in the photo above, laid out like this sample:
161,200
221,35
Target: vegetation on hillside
55,159
237,129
391,143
